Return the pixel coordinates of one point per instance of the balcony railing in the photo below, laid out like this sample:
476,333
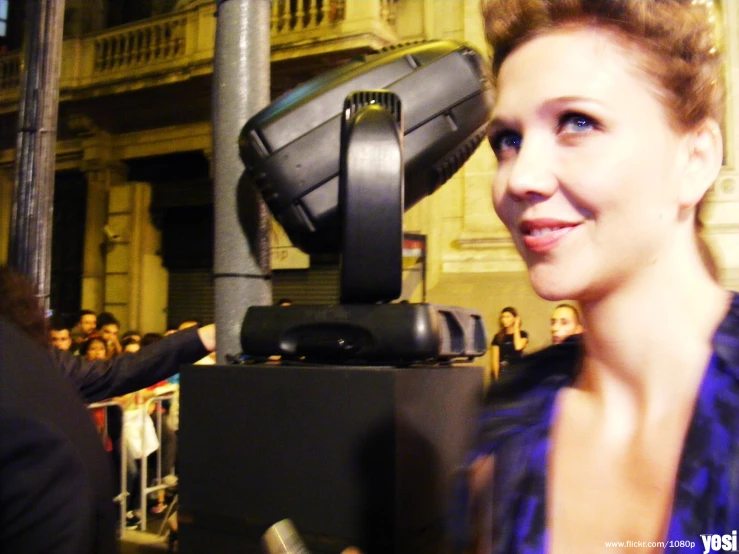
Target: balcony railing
176,45
161,41
289,16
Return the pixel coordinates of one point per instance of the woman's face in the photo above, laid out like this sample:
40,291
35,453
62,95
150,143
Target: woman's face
506,319
96,351
588,163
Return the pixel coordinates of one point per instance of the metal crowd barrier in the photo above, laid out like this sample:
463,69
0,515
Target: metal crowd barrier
121,497
159,484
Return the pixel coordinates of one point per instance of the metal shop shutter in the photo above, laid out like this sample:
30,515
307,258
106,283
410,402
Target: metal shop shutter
191,296
192,291
317,285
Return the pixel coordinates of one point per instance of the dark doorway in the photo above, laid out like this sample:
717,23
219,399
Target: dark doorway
68,243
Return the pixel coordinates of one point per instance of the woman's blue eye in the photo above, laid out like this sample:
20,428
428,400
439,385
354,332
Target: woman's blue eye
505,141
576,124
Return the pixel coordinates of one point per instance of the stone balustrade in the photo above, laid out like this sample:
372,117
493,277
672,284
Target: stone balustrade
178,45
288,17
141,46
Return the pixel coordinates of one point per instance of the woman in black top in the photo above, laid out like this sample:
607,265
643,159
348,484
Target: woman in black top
508,343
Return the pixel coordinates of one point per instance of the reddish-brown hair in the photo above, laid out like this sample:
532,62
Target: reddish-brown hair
675,40
19,303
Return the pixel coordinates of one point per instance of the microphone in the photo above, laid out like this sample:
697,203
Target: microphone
283,538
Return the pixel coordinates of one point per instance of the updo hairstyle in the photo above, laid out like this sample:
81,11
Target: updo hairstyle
674,41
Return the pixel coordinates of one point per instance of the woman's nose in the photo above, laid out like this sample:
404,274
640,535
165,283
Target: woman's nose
532,173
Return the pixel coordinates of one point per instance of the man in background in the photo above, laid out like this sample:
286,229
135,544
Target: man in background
59,333
86,325
565,324
109,327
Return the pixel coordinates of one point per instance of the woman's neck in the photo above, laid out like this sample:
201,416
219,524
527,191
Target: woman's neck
647,342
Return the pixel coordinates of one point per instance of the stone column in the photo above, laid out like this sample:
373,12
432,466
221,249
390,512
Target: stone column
101,175
153,277
135,281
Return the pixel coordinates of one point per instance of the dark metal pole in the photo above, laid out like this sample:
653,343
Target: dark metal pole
240,88
33,200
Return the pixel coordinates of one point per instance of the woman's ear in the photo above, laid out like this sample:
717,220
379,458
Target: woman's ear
705,155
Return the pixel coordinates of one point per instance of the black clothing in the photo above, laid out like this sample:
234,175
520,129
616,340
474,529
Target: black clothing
102,379
516,428
508,352
56,490
573,339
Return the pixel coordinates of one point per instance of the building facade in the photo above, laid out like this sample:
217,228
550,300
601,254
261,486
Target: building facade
133,206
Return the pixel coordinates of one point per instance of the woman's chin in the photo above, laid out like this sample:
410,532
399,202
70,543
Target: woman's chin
552,288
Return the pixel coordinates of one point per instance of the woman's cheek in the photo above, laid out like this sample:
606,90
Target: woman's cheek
498,195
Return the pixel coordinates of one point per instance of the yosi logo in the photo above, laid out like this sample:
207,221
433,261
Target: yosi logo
719,543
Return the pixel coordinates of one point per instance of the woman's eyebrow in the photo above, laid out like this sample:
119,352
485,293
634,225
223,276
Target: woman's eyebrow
498,123
502,121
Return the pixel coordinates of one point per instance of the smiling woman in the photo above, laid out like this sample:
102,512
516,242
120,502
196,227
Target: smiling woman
606,130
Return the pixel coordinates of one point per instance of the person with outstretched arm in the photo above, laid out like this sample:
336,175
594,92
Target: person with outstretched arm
100,379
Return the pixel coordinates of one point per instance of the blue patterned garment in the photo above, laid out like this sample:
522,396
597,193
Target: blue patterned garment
516,426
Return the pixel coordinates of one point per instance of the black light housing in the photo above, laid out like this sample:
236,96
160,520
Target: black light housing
338,160
291,149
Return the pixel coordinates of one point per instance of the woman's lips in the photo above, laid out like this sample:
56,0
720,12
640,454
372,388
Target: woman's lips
541,236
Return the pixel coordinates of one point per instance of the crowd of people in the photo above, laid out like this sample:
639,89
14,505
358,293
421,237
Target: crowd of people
98,337
45,390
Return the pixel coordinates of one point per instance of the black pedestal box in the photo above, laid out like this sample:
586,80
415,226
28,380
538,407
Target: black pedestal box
360,456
